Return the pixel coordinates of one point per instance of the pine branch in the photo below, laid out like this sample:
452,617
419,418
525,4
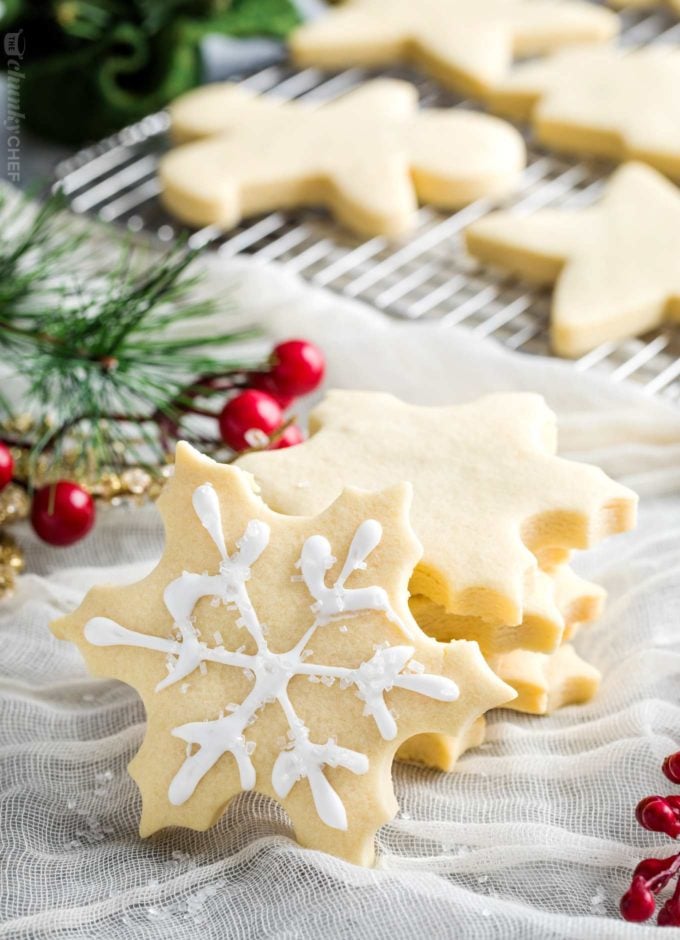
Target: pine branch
97,353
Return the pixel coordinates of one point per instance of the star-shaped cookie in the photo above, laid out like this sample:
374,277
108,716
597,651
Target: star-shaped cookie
614,102
369,157
614,264
489,493
466,44
278,654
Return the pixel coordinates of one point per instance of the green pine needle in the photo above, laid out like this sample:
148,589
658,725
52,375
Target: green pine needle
105,376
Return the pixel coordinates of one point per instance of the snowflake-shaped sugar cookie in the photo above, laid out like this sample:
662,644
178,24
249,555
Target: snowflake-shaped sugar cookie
278,654
468,44
557,602
491,499
369,156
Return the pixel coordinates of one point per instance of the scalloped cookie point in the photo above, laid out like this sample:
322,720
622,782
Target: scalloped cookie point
369,157
278,654
481,552
466,44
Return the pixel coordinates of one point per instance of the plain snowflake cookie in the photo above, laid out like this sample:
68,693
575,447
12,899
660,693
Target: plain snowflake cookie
369,157
620,103
491,498
278,654
543,682
555,603
466,44
614,264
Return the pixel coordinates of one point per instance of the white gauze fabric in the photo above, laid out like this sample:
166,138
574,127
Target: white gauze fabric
533,836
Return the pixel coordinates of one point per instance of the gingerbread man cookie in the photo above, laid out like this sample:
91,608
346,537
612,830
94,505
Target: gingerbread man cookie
369,157
614,264
616,102
466,44
489,493
278,654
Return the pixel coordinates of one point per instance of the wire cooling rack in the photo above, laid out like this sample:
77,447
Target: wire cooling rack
427,274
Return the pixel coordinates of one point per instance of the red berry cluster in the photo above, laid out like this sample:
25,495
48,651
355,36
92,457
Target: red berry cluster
63,512
652,875
256,414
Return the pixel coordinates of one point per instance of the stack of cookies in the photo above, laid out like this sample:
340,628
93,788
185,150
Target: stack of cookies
498,515
281,642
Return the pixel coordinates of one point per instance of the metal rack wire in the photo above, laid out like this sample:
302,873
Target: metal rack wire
426,275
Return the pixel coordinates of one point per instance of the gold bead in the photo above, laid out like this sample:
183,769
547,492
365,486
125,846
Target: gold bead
14,504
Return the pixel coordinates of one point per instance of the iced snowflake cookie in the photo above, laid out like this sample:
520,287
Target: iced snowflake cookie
554,606
466,44
278,654
369,157
614,264
615,102
442,751
489,493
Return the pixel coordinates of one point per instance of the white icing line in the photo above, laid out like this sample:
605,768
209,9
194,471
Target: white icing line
207,741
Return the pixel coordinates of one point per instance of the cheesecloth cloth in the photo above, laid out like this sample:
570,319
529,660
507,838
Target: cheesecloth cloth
533,836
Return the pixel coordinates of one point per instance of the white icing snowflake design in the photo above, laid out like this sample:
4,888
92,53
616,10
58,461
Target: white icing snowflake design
389,667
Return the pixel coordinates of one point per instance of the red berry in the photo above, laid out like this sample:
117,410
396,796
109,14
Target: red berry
6,465
638,903
297,367
654,813
62,513
671,767
649,868
290,437
247,416
264,382
669,915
